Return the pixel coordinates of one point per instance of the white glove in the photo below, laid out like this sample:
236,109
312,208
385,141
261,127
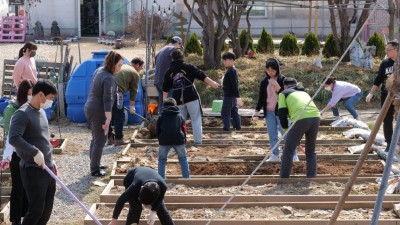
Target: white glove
39,159
255,116
132,109
368,98
152,218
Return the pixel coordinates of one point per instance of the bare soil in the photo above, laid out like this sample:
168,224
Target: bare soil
297,187
252,213
210,152
218,168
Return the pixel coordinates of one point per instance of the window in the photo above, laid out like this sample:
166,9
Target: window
259,9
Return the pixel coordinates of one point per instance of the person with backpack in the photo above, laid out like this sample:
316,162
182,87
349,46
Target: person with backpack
180,77
171,133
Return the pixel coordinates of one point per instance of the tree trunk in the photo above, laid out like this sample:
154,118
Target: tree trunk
339,7
211,15
391,11
309,15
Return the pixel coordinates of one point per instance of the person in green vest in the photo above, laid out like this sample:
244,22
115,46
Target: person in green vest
127,79
292,102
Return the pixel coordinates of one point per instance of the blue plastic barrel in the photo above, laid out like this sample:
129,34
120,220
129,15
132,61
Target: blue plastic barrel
3,103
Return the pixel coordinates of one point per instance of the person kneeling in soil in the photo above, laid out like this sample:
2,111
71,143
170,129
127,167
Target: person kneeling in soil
143,185
171,133
291,104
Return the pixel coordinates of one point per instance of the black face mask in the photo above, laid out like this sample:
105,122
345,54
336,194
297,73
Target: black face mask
33,53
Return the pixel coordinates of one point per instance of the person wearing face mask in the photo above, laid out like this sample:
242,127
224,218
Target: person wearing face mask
98,108
143,187
25,67
18,200
270,87
29,134
342,91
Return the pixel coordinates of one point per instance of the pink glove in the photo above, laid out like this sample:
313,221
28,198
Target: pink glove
3,164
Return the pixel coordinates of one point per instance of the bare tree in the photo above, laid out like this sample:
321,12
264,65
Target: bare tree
342,9
161,25
218,20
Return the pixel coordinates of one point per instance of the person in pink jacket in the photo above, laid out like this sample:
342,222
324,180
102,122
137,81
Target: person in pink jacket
25,68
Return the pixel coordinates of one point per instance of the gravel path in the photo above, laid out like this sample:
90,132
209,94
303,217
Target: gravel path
73,167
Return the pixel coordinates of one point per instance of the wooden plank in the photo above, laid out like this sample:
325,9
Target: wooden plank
5,213
106,197
264,129
63,146
303,157
122,221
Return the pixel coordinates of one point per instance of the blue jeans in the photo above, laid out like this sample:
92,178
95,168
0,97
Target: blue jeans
230,111
163,151
349,105
194,110
273,126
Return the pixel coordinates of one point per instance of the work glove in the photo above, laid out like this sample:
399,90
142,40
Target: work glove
152,218
39,159
3,164
114,222
368,98
55,171
132,109
254,117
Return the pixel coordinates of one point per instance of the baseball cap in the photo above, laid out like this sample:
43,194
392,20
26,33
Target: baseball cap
176,39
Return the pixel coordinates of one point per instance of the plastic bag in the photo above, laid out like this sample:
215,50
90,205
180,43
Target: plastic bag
357,149
364,134
349,122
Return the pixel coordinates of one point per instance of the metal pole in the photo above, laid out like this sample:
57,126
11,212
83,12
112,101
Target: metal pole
386,172
147,59
363,156
71,194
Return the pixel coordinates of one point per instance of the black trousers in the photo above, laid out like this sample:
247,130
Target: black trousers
18,200
135,210
388,122
117,119
308,127
40,189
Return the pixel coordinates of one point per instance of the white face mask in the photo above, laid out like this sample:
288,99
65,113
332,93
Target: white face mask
29,98
328,88
47,104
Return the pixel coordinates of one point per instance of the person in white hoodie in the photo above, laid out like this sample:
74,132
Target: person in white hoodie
349,93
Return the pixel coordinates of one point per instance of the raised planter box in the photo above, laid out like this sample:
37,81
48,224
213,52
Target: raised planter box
221,168
257,190
5,212
61,147
105,209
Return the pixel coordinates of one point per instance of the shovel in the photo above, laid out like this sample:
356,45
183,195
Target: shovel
141,117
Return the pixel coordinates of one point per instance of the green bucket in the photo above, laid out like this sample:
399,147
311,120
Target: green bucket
216,106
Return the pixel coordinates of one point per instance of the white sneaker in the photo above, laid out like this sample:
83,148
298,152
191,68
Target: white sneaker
296,158
274,158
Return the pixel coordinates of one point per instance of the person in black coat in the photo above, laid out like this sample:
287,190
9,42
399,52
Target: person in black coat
171,133
143,186
231,93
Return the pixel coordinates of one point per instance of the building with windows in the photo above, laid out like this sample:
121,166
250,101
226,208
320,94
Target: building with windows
94,17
